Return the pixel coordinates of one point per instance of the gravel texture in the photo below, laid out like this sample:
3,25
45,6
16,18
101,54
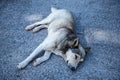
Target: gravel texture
97,24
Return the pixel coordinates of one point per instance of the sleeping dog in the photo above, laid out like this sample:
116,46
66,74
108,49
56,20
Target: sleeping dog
61,40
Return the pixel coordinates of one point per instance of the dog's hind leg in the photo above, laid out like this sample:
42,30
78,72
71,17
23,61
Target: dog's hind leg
38,28
42,59
30,58
37,24
45,21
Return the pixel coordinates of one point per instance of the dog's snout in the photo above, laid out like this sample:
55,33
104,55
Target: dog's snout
73,68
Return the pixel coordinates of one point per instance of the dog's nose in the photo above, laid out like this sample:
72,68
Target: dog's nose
73,68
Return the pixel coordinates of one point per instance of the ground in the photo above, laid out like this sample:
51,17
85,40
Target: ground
97,24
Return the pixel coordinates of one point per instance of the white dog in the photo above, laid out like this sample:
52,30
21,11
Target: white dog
61,40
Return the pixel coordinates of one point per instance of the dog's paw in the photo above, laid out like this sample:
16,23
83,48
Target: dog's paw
36,29
36,62
21,65
28,28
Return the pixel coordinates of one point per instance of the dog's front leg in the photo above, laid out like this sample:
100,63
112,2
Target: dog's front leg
30,58
42,59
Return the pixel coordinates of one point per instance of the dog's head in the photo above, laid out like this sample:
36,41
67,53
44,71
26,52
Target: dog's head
74,56
74,51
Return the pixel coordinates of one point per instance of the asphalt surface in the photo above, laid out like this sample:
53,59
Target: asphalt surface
97,24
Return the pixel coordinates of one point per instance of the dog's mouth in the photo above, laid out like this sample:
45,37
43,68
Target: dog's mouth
72,68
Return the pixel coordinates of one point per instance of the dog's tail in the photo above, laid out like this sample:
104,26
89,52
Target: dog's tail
53,9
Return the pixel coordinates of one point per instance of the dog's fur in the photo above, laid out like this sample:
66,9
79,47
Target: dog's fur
60,40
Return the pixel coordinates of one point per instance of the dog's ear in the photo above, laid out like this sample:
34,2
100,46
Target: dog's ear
75,42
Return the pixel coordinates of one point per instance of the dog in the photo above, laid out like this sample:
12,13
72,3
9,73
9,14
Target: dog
61,40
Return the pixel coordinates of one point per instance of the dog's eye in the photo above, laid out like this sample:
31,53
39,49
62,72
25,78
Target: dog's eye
76,57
